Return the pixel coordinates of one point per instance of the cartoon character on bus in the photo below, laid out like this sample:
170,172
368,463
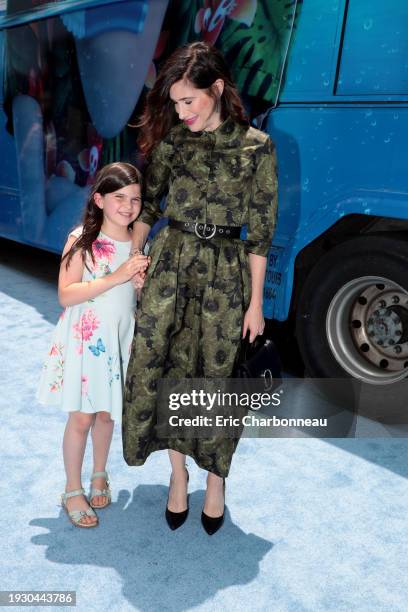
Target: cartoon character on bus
74,86
63,112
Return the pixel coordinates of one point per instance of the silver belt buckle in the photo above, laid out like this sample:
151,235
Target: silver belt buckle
202,227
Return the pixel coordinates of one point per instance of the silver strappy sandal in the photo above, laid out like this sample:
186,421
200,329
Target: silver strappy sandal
75,516
102,492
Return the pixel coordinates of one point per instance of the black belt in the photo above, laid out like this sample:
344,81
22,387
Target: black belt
206,230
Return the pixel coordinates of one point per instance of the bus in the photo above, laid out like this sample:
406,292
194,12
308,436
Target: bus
327,79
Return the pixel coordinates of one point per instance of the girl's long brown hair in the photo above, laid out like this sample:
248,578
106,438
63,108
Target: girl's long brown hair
109,179
200,64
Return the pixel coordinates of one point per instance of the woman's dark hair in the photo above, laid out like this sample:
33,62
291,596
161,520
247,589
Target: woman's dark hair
200,64
109,179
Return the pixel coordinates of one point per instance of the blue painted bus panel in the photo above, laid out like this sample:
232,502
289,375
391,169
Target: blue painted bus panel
357,50
8,166
334,162
310,67
379,31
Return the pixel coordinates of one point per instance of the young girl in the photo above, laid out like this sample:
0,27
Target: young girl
87,362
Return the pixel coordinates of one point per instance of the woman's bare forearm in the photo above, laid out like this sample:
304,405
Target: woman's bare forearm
139,234
257,265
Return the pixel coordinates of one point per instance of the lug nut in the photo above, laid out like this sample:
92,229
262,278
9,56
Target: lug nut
391,342
380,342
397,349
398,332
395,299
382,304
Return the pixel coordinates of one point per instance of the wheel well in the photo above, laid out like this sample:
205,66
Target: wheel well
347,228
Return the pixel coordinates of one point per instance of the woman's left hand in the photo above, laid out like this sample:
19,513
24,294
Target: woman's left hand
253,322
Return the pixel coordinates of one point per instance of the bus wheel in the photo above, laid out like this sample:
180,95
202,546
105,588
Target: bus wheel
352,319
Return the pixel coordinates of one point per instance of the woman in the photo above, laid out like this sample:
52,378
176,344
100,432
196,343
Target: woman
203,290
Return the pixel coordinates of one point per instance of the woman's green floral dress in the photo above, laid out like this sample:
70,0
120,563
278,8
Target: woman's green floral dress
196,292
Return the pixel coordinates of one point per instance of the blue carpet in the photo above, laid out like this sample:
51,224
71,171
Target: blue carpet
311,525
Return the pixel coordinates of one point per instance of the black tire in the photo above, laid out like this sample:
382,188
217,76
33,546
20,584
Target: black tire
366,256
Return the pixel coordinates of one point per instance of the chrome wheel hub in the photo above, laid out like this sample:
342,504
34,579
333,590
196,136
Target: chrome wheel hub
367,329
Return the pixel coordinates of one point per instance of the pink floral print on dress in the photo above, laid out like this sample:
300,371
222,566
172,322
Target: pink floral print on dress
103,249
84,385
88,323
57,351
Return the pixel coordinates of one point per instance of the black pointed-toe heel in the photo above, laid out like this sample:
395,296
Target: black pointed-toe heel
213,524
176,519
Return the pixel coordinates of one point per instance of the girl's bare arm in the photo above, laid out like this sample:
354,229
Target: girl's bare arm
72,290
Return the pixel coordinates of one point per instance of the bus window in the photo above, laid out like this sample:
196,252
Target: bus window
374,58
310,62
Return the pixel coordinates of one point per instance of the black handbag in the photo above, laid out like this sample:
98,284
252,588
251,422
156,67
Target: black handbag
259,360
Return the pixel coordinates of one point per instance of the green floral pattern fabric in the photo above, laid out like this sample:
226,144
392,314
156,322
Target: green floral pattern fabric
196,292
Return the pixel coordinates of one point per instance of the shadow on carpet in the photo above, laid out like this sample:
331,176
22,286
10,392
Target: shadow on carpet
183,568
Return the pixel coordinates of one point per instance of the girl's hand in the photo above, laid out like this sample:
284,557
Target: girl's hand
134,265
138,281
253,322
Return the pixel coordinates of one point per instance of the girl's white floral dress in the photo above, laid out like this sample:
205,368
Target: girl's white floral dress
86,365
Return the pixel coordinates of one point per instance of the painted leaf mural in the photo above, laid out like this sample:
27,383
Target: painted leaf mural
252,34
